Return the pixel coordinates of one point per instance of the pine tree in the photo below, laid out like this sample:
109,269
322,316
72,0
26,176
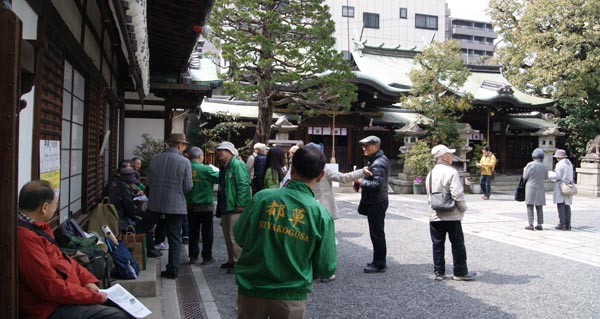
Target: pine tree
281,53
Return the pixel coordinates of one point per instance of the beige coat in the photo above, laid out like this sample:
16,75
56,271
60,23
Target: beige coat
324,190
444,178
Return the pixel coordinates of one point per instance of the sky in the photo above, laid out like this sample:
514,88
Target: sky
469,9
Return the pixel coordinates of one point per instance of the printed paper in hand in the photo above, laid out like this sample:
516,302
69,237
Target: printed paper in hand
127,301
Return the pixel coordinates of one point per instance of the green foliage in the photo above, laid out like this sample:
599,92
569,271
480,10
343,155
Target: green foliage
227,126
439,74
418,159
551,48
477,153
146,151
280,52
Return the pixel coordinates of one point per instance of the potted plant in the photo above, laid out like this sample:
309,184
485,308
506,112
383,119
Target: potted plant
418,185
417,163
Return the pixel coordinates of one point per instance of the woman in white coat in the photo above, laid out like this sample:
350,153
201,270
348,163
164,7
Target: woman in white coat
563,173
323,190
535,174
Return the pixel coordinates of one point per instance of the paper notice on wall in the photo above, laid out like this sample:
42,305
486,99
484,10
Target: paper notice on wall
127,301
50,163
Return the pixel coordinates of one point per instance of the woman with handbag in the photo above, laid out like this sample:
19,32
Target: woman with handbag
563,173
534,174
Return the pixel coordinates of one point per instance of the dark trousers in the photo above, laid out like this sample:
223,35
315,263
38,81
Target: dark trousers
201,222
159,232
376,219
564,214
438,232
173,230
185,227
105,311
486,184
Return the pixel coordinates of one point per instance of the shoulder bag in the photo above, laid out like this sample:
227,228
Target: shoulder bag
568,188
520,192
440,201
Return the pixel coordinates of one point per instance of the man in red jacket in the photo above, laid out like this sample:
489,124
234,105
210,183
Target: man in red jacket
52,285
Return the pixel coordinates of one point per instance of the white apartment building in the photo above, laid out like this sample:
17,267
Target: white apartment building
390,23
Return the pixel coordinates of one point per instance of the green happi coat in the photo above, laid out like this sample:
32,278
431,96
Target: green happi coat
287,239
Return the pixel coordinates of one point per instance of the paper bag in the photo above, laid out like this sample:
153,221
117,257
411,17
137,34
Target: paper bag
136,243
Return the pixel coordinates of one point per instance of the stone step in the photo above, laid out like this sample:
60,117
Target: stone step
145,285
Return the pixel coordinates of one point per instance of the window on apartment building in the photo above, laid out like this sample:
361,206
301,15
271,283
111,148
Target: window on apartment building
348,11
71,143
423,21
403,13
371,20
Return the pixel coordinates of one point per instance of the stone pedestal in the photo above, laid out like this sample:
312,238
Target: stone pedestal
588,179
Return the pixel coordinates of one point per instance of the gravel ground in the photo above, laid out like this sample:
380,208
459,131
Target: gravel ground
512,282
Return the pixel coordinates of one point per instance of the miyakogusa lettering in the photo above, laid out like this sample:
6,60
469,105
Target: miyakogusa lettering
285,230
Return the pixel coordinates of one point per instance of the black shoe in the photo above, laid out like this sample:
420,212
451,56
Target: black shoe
185,241
227,266
468,277
169,274
530,227
539,227
207,261
561,227
372,269
567,227
193,260
439,276
152,253
370,264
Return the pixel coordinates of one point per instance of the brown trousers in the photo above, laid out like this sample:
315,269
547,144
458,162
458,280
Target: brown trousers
254,308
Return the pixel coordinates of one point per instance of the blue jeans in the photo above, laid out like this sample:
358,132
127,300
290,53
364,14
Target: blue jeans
438,232
486,184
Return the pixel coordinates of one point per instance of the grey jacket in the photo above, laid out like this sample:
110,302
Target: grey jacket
534,173
444,178
169,178
564,173
324,190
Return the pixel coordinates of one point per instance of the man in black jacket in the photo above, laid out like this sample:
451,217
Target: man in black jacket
374,200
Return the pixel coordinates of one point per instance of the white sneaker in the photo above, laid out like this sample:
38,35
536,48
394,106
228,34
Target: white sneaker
162,246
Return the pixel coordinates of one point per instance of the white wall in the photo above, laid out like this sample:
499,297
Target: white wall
29,18
22,9
26,140
135,128
392,30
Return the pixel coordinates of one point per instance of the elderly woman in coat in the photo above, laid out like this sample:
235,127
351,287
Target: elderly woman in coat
534,173
563,173
324,189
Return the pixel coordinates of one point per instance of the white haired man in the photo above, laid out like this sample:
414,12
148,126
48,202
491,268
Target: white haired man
444,178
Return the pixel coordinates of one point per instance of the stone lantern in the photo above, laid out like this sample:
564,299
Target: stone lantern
547,142
411,132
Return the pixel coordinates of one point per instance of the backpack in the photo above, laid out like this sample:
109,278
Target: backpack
94,259
105,213
125,265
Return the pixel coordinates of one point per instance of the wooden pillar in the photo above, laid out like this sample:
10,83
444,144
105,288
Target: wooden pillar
10,54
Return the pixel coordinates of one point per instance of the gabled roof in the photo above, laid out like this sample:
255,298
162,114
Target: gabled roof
391,68
244,109
490,87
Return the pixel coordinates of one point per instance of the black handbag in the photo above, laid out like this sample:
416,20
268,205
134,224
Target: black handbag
520,192
440,201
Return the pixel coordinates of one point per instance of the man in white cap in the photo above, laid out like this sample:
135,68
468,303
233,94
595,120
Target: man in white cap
444,178
233,196
374,200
